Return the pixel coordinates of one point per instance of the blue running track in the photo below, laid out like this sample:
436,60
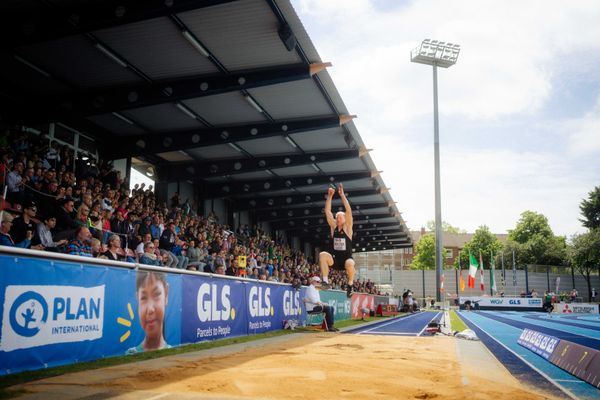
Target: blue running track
499,331
410,325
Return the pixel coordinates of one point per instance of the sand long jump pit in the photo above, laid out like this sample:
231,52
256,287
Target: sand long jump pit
303,366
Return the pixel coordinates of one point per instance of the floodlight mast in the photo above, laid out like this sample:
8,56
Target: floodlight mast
436,54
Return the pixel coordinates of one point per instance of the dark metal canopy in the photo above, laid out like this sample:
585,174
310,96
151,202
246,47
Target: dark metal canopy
230,96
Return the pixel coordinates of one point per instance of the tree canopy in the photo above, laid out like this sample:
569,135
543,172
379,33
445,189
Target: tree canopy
484,242
425,253
590,209
535,242
446,227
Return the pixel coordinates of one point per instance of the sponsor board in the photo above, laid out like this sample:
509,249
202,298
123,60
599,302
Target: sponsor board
576,308
361,302
41,315
212,309
541,344
503,302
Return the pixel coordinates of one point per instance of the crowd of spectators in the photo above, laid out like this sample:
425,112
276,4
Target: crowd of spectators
56,202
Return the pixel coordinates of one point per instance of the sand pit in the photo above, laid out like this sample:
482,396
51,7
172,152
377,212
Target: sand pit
305,366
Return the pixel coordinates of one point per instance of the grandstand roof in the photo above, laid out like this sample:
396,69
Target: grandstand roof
230,95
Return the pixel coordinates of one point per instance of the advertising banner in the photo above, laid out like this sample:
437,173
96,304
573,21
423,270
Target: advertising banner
576,308
540,343
339,301
504,302
362,302
213,308
56,313
269,305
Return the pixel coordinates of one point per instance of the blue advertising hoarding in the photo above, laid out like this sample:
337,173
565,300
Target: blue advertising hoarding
212,308
56,313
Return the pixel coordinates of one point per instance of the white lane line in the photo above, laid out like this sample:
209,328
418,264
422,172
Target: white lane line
389,323
548,378
425,327
391,333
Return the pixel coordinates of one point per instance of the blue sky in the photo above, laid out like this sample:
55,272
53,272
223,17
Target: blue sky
519,112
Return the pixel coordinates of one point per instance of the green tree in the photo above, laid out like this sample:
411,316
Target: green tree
425,253
446,227
584,254
590,209
482,241
530,226
535,241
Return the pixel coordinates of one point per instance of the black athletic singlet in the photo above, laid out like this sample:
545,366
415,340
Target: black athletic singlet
341,248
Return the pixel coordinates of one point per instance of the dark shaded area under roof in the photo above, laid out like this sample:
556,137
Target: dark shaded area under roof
229,95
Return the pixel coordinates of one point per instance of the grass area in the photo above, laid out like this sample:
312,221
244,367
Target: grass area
456,323
23,377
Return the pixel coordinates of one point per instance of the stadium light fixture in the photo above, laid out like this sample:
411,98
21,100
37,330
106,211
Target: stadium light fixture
235,146
291,142
111,55
253,103
436,54
195,43
185,110
33,66
122,118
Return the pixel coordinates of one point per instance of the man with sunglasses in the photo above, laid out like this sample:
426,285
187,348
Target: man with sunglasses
24,224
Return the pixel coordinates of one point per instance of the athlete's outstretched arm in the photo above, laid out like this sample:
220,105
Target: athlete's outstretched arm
349,219
328,214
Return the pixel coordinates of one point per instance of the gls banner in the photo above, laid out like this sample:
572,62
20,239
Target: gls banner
41,315
212,308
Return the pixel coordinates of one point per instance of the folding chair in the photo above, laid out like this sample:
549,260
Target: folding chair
311,315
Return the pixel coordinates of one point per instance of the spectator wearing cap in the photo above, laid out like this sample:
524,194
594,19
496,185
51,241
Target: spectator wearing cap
145,227
80,245
313,302
21,225
44,234
6,239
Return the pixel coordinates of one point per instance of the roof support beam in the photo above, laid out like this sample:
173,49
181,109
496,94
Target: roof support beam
230,189
320,227
265,203
173,141
303,212
105,100
243,165
32,25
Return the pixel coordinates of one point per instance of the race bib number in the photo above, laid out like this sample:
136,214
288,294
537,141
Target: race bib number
339,244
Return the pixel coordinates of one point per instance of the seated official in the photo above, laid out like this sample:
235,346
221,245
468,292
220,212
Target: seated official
313,303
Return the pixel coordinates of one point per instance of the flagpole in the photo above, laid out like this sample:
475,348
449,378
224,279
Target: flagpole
514,274
503,273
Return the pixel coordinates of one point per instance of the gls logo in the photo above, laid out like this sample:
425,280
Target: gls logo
259,302
515,302
291,303
28,313
214,304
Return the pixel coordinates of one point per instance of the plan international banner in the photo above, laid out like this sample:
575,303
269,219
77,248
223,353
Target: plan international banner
56,313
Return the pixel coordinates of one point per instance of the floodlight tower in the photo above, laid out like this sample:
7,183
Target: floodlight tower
436,54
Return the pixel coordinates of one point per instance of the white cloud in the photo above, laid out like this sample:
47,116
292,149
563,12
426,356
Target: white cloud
585,133
512,57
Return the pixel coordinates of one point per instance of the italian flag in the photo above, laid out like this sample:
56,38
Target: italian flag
472,271
481,284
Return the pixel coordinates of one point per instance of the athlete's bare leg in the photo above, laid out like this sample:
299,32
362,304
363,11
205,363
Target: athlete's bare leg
349,265
325,261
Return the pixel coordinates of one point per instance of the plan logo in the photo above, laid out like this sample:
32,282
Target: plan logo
42,315
28,313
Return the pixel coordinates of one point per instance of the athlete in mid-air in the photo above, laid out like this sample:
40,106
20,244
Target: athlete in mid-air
340,255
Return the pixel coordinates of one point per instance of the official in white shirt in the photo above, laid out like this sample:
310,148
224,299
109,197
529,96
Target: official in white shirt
313,302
